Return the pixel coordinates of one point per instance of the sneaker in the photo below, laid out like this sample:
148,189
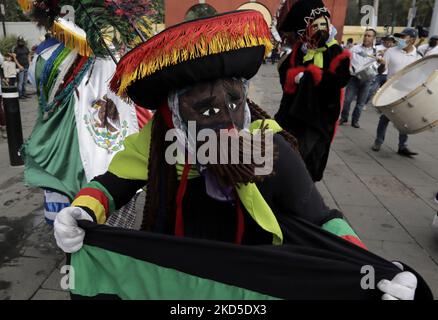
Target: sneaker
355,125
436,198
342,121
376,147
405,152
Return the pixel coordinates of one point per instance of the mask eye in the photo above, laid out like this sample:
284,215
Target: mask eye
232,106
211,112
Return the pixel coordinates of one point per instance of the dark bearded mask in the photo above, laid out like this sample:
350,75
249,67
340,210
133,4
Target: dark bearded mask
318,32
219,105
215,105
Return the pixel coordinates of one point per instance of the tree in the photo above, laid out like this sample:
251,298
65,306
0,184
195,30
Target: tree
13,11
200,11
158,6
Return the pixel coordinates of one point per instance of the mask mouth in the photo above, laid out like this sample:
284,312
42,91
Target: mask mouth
318,39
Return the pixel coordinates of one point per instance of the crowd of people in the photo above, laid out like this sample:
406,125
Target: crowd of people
372,66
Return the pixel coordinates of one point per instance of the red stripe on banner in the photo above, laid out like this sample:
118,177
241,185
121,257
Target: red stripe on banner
98,195
355,241
179,220
240,222
75,72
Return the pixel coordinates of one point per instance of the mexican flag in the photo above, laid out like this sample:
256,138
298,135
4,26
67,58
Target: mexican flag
81,124
312,265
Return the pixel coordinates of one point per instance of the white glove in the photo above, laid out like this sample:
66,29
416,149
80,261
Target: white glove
298,77
402,287
69,237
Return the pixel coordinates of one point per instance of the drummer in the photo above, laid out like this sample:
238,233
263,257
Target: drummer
362,54
394,60
430,48
387,42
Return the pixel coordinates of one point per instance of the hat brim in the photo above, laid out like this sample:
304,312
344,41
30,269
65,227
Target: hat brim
149,92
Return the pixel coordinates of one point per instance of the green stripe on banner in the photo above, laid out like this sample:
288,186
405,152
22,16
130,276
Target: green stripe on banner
339,227
98,271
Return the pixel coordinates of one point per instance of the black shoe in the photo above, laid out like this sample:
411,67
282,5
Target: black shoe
342,121
376,147
355,125
405,152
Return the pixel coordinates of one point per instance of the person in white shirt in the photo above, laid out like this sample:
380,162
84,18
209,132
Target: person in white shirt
10,70
430,48
396,59
362,55
387,43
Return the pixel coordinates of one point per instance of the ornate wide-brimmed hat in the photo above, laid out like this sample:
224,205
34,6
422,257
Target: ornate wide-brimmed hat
296,15
232,44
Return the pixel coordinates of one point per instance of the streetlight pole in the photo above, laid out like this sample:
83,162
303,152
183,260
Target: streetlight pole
3,13
412,13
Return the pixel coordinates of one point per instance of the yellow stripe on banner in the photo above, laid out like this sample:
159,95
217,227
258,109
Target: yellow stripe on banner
92,204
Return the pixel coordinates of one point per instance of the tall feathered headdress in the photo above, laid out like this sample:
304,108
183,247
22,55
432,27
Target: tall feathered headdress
118,23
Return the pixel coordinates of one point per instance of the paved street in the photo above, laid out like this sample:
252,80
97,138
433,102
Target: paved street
387,199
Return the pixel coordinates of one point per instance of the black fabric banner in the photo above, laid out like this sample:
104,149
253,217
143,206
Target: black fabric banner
312,264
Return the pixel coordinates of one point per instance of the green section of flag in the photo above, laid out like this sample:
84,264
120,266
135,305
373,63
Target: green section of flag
51,154
98,271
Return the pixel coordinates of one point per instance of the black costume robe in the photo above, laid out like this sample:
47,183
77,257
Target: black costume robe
311,112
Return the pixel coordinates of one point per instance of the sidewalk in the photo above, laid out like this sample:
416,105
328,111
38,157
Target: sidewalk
29,257
387,199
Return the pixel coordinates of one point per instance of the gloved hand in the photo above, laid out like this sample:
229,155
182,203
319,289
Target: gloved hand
402,287
69,237
299,77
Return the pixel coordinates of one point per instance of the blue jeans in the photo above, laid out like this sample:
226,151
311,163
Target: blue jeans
355,89
381,132
22,81
376,84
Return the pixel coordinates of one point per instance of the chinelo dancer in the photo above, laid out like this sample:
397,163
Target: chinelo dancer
313,76
195,75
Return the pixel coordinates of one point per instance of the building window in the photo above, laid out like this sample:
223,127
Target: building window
200,11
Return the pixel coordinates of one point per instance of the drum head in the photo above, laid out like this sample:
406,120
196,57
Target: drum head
406,81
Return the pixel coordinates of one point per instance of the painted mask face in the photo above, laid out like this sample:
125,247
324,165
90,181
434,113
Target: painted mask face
318,32
216,105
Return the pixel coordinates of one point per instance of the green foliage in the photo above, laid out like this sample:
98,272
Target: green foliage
13,12
158,6
7,43
200,11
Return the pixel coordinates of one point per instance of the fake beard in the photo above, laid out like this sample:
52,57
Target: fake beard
318,39
239,159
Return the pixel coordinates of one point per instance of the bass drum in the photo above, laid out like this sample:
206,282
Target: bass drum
410,98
